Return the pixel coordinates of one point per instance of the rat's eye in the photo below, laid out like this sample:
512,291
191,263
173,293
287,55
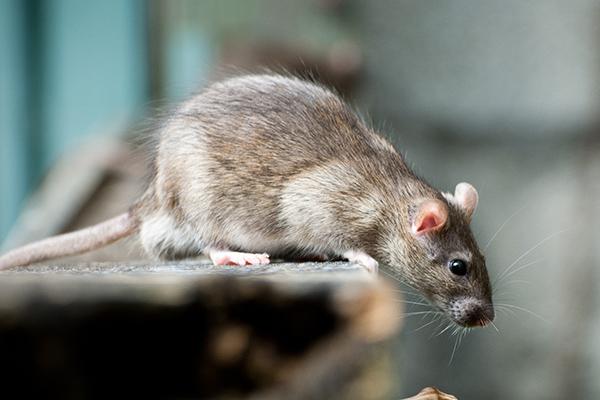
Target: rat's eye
458,267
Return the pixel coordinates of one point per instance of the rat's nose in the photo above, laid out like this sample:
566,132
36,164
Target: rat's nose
472,312
479,315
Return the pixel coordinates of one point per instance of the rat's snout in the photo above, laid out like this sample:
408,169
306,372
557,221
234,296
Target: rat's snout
471,312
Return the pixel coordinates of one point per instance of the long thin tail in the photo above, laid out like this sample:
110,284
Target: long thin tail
71,243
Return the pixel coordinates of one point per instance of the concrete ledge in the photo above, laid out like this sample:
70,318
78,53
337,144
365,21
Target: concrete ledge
199,267
191,330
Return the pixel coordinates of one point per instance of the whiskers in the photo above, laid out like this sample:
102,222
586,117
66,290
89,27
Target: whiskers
502,227
489,321
436,318
414,304
459,332
502,281
511,309
507,271
430,317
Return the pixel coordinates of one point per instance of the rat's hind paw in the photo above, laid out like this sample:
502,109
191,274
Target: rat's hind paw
432,394
226,257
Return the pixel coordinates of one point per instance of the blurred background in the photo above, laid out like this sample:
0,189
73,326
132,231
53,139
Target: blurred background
502,94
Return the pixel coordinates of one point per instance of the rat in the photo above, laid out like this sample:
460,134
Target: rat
263,166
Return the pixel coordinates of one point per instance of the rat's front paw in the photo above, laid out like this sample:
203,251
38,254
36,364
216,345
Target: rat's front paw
430,393
362,258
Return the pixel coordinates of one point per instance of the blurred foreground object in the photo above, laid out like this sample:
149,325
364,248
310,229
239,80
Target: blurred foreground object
190,330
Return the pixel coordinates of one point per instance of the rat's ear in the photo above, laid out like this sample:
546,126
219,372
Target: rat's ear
467,198
430,217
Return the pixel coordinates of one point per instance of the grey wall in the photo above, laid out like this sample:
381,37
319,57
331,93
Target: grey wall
481,67
505,95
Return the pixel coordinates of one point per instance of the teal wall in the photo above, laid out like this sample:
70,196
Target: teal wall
68,69
15,171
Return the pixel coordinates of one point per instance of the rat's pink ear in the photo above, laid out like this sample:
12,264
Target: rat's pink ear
467,198
431,216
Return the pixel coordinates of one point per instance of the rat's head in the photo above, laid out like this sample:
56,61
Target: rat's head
446,264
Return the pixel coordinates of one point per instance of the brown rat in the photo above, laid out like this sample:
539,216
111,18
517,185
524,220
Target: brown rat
267,165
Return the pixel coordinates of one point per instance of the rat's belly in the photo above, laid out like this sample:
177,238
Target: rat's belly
280,244
254,241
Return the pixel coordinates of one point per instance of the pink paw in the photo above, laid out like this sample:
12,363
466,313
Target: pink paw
226,257
362,258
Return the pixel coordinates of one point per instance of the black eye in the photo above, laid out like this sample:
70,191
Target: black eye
458,267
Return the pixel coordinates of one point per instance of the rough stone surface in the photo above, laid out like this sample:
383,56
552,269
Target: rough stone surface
199,267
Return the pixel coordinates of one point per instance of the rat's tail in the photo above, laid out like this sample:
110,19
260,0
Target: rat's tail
72,243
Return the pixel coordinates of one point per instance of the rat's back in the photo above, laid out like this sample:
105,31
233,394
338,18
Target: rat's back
290,121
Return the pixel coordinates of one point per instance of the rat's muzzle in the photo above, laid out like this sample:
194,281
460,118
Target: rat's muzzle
471,312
